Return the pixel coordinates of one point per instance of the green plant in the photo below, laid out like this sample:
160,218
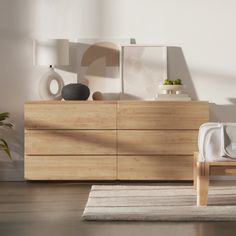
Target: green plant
3,123
172,82
168,82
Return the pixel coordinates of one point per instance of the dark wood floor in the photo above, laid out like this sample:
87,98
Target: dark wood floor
55,209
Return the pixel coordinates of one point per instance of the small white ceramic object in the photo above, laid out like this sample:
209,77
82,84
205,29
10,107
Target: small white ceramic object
171,89
45,88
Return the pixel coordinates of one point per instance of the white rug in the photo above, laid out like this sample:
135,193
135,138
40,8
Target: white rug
159,203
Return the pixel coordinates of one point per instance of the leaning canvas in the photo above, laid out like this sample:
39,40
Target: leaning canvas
98,63
144,67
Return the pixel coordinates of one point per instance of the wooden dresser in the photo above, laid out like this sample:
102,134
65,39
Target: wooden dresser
112,140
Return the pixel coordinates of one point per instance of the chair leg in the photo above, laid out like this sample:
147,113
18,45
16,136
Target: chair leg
195,159
202,183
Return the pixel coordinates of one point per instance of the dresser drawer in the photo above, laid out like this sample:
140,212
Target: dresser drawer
70,115
223,170
70,142
167,142
155,167
161,115
70,167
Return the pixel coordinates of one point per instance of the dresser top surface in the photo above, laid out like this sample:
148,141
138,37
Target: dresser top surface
108,101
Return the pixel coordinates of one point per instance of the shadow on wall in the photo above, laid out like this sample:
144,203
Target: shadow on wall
178,68
94,68
217,111
73,66
12,170
94,58
97,66
16,83
221,86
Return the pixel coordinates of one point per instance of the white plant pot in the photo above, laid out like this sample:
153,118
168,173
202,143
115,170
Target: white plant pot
171,89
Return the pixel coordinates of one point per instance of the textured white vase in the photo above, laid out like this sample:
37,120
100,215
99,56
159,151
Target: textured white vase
45,85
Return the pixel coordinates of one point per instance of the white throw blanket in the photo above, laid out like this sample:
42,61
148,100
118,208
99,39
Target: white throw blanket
217,142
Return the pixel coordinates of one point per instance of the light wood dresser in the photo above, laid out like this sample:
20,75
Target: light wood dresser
112,140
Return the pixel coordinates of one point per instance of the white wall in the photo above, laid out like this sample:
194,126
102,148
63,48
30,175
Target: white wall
20,22
201,35
204,29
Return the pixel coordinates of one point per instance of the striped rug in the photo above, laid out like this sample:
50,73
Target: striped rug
158,203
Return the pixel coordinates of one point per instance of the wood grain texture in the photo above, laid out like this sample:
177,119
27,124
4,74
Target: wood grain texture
161,142
70,167
228,170
155,167
195,160
161,115
206,169
202,183
222,163
146,129
70,142
70,115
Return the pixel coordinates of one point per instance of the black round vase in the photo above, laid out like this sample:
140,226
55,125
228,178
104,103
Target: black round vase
75,92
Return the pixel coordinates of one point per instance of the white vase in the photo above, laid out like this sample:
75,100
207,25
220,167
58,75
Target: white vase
45,85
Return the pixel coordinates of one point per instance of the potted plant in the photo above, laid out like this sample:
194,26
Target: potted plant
172,86
3,123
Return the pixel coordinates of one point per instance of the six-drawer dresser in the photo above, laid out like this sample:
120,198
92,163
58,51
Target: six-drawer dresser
112,140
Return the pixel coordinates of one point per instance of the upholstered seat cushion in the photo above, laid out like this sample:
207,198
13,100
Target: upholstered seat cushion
217,142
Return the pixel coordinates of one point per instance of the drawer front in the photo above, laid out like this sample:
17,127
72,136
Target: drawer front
70,142
69,115
155,167
223,170
167,142
70,167
161,115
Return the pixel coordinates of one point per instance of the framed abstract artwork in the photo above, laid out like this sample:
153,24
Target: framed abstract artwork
144,67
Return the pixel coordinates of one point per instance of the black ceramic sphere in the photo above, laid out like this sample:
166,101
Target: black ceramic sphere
75,92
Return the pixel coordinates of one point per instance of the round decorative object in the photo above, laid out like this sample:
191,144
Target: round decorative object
75,92
45,85
97,96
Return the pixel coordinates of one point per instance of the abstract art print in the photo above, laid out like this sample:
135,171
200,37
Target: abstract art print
99,65
144,67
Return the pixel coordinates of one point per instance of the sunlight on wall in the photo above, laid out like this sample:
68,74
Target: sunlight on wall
202,33
20,22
